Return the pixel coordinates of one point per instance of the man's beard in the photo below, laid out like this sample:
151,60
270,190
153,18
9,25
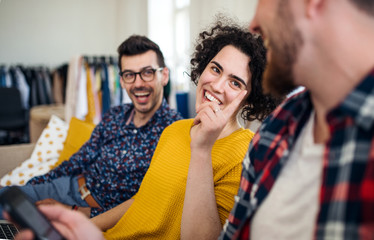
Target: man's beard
285,46
278,77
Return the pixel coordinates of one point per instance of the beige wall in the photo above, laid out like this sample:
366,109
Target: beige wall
132,18
203,12
50,32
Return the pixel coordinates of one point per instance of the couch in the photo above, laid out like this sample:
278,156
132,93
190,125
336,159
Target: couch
57,143
13,155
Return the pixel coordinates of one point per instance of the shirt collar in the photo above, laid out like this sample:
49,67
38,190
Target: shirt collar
359,104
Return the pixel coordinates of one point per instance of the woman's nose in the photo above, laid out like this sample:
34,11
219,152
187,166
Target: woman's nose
218,84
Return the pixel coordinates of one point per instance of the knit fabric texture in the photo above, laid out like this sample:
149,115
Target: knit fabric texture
157,209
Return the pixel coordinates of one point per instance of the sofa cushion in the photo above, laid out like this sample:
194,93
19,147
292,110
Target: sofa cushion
43,158
13,155
79,132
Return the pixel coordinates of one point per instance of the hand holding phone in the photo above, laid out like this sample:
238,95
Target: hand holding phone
24,213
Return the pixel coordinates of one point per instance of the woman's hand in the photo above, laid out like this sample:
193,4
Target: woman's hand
211,120
200,218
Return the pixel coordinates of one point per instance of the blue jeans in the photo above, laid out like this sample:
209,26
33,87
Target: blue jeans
63,189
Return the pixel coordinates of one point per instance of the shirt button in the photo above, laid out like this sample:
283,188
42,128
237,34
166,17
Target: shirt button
135,131
124,152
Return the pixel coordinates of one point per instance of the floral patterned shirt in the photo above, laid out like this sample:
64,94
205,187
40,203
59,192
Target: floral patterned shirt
116,157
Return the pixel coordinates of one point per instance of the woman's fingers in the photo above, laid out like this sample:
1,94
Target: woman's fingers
230,109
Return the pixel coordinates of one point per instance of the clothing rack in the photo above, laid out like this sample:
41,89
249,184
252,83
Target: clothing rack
94,60
93,87
41,85
34,83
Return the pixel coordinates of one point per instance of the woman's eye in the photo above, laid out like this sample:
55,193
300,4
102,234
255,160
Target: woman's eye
236,84
215,69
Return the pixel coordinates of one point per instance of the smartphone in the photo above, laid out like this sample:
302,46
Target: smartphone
24,213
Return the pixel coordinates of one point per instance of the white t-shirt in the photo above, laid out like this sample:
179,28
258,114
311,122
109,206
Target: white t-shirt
290,209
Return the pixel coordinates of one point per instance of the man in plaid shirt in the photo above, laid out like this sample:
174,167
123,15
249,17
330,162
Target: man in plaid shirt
309,172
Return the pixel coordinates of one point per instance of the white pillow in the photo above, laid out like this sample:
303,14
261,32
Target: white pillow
43,158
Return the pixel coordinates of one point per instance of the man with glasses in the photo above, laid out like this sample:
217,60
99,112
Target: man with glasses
110,166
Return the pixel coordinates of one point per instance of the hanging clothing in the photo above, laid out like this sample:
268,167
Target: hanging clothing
23,87
105,88
90,95
74,72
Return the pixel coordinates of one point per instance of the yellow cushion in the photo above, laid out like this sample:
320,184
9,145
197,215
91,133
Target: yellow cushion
79,132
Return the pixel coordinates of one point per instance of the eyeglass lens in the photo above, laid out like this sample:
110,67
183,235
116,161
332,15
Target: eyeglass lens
146,75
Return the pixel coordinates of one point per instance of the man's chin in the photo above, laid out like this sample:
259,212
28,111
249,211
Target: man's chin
277,82
141,108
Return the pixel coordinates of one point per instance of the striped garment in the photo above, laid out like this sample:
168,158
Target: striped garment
116,157
346,202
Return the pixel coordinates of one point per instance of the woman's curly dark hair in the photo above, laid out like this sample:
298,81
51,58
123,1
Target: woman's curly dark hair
258,105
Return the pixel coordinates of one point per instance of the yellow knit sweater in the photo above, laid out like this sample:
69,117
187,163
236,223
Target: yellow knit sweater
156,212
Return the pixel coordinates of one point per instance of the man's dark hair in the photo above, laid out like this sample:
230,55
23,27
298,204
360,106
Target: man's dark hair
258,105
137,44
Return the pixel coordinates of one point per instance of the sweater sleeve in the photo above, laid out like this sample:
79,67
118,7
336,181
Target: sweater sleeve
228,169
225,190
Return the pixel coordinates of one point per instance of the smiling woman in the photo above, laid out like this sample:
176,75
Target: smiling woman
227,67
195,170
222,81
258,105
189,188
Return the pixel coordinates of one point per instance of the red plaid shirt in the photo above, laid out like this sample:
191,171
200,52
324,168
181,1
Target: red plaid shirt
346,201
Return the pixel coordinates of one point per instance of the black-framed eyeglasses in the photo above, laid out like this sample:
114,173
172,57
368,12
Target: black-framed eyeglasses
147,74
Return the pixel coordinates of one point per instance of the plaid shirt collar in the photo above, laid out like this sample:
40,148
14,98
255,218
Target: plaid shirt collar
270,149
359,105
